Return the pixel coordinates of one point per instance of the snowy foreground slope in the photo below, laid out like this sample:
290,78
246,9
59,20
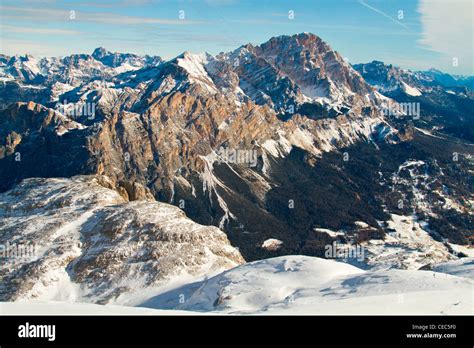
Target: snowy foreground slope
296,285
76,308
308,285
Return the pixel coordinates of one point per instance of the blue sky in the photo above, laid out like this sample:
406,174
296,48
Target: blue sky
415,34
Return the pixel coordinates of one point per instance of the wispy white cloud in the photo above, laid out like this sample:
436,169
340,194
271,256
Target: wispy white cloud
447,28
53,14
446,24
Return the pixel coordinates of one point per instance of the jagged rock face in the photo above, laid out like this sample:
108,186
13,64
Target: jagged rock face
89,240
169,139
292,73
384,77
312,64
38,141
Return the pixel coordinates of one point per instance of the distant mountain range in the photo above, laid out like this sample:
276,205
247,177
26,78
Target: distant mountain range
284,146
444,99
387,77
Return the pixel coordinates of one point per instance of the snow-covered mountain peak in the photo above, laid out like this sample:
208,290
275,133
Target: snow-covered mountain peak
99,53
195,67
